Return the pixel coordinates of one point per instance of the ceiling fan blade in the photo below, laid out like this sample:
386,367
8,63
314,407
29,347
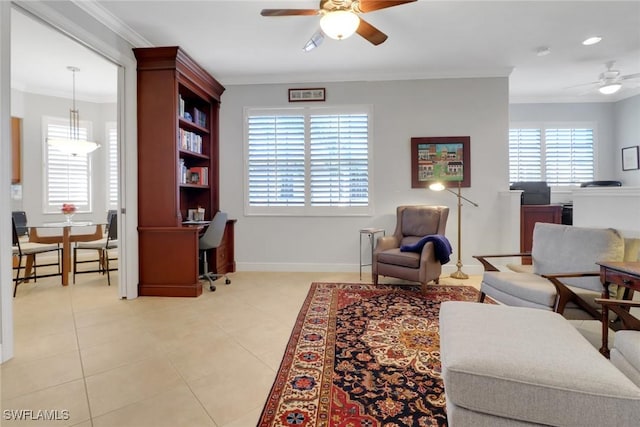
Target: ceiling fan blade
364,6
371,33
288,12
630,76
582,85
316,40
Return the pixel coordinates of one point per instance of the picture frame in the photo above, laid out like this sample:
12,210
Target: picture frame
445,159
307,94
630,158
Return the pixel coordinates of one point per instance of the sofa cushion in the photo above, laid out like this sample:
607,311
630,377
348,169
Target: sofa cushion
526,286
530,365
395,257
561,248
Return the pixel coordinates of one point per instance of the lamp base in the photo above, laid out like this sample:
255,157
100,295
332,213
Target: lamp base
459,275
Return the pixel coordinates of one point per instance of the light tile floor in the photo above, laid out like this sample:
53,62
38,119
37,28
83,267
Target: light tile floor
152,361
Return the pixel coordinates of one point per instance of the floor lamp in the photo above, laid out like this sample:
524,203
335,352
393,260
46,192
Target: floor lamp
438,186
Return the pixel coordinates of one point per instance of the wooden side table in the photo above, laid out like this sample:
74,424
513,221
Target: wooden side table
626,274
370,233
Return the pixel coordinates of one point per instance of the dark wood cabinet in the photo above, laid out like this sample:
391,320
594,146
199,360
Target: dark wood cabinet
529,216
178,170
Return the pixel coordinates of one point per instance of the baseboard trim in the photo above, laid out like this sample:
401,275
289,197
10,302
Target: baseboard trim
335,268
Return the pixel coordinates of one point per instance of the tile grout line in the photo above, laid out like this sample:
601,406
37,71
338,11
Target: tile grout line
84,377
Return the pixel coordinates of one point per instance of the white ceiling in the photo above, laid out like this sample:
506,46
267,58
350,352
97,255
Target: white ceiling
427,39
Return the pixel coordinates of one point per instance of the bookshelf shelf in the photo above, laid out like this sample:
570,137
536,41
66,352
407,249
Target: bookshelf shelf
187,125
178,159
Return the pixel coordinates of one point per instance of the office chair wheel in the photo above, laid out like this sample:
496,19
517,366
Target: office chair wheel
212,288
227,282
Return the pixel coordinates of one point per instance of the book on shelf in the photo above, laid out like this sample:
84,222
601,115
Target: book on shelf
190,141
199,117
199,175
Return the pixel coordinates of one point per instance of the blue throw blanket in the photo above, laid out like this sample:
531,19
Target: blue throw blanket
441,246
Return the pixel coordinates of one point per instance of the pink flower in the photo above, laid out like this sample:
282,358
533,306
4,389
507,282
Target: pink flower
68,208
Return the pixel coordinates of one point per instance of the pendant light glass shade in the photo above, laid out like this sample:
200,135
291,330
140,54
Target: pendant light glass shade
73,145
339,24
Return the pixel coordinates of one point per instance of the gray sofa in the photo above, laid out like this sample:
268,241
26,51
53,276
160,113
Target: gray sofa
558,251
518,366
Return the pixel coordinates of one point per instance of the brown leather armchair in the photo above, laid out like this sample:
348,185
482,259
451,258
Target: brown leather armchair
413,223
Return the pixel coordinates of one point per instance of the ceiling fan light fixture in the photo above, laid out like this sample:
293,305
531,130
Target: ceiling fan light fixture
592,40
610,88
339,24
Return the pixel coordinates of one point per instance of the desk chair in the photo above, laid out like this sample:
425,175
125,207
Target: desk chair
103,246
30,250
211,239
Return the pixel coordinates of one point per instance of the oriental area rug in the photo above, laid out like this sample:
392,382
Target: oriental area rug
363,356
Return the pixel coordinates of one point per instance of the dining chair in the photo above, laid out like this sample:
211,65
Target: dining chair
28,251
104,248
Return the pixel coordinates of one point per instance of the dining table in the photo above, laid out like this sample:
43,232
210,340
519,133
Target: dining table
72,231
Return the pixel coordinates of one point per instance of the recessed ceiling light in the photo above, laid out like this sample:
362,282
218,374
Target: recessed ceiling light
592,40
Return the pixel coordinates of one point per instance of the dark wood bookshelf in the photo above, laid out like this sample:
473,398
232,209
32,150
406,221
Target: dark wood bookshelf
170,86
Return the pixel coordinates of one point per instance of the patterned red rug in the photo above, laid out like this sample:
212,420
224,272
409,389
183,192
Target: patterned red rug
363,356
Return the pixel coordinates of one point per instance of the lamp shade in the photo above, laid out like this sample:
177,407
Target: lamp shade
73,146
610,88
339,24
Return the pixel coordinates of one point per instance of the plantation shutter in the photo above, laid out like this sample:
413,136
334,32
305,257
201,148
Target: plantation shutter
525,155
569,156
276,160
67,176
112,166
339,164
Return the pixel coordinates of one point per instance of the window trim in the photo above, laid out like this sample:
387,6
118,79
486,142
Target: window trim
543,126
48,208
307,210
108,126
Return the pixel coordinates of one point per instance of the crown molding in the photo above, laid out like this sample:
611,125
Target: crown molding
115,24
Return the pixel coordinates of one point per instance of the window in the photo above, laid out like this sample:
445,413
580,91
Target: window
559,155
67,177
308,161
112,164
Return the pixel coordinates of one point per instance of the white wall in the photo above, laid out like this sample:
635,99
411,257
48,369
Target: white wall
627,132
32,109
401,110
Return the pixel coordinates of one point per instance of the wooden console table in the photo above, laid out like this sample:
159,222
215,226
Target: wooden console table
626,274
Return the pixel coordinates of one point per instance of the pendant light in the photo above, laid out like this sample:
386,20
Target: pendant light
73,144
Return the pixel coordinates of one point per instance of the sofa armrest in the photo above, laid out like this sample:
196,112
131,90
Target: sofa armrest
490,267
565,294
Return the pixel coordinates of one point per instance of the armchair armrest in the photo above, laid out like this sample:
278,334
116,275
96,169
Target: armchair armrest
387,242
490,267
565,294
621,308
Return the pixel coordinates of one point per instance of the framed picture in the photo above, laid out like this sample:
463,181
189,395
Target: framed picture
630,158
307,94
445,159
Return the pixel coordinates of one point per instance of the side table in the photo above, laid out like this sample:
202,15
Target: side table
625,274
370,233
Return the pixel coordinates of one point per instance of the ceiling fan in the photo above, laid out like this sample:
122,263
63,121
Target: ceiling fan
610,80
340,19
